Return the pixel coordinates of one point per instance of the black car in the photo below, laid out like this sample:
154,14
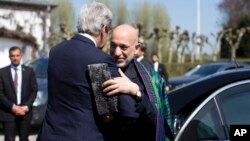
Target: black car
203,70
205,109
39,106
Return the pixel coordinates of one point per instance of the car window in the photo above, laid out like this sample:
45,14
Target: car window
235,104
203,70
205,125
40,67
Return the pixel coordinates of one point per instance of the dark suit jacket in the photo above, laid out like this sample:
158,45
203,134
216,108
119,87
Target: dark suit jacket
151,123
71,110
145,61
144,126
163,71
8,94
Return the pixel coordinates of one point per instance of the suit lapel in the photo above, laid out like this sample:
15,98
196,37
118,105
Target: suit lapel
130,72
23,81
147,81
159,68
10,79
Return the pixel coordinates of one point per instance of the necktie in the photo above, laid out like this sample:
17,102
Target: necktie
15,79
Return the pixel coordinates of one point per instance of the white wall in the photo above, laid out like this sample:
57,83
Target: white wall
31,22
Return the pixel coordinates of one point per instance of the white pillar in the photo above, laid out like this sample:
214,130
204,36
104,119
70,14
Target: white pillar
197,52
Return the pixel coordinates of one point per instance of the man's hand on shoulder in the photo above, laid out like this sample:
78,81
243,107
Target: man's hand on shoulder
120,85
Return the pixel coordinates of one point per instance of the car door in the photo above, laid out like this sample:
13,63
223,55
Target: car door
235,104
211,120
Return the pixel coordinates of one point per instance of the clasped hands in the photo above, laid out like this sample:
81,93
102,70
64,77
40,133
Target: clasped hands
120,85
19,110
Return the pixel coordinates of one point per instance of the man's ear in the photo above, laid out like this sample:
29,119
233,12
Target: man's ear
102,31
137,48
105,29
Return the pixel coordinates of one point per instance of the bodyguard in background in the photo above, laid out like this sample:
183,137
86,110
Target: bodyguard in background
140,55
159,67
18,89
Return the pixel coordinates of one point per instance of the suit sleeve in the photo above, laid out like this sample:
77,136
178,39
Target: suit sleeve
3,99
33,89
146,109
165,74
126,103
112,66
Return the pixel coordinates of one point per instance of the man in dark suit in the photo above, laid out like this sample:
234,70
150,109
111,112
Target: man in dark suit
18,89
151,119
71,111
140,55
159,67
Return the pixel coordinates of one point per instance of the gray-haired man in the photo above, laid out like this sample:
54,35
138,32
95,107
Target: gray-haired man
71,113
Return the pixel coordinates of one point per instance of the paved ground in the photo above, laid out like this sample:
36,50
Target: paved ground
32,136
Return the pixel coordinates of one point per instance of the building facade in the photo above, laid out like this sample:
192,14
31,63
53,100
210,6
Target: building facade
24,23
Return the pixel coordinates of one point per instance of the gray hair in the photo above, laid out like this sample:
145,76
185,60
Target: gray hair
93,17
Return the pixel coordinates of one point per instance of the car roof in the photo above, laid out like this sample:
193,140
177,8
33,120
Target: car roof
225,62
216,66
194,93
226,65
39,66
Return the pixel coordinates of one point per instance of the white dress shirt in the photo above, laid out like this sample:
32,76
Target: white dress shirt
89,37
156,65
139,58
19,81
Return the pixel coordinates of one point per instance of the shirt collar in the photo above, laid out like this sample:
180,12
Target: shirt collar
140,58
18,67
156,63
89,37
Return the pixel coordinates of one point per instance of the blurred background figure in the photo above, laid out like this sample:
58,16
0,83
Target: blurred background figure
159,67
18,89
140,55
